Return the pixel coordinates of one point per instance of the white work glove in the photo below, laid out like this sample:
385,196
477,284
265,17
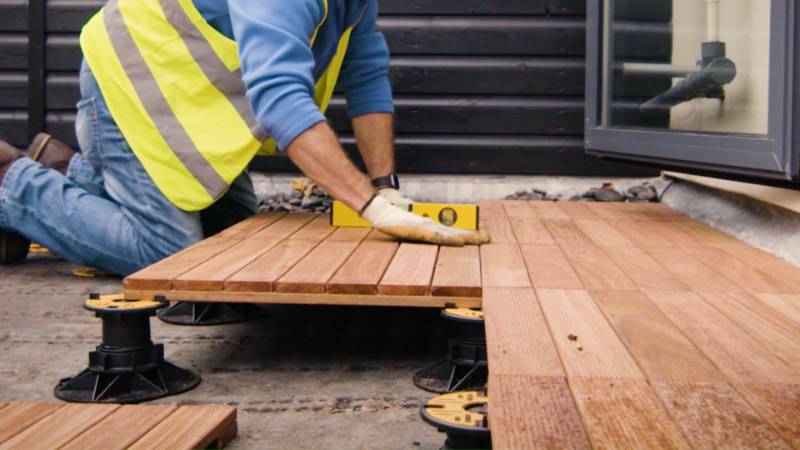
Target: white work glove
394,197
395,222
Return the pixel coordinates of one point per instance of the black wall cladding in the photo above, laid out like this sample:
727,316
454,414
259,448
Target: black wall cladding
481,86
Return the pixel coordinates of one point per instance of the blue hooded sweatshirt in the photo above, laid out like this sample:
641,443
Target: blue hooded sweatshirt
280,69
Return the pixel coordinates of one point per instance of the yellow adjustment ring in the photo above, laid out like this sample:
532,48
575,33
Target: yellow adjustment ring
454,409
117,302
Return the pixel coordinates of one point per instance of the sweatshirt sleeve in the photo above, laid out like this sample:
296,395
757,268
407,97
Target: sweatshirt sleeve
365,71
273,39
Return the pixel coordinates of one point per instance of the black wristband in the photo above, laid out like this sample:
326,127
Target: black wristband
389,181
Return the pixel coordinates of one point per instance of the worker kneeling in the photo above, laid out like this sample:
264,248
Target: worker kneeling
177,97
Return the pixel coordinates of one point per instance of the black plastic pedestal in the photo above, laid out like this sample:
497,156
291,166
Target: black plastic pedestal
465,365
200,313
127,367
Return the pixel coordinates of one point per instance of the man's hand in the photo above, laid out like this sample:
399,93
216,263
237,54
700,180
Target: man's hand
403,225
394,197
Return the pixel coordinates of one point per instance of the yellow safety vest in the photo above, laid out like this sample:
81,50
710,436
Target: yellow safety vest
174,87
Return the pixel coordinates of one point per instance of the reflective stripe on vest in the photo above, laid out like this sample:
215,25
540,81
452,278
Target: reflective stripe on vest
174,87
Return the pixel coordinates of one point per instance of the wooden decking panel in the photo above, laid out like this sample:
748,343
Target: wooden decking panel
191,427
410,271
122,428
363,270
457,272
59,427
17,417
548,268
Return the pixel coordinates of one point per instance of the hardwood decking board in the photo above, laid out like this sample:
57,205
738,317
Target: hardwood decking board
748,278
777,404
610,210
121,428
704,233
713,415
762,308
518,209
548,268
491,208
547,210
689,270
565,232
529,231
410,271
595,269
761,260
502,266
625,414
363,270
633,231
518,340
457,272
588,346
534,413
311,274
161,274
499,227
601,233
59,427
16,417
662,351
643,270
191,427
211,275
262,274
577,210
316,230
669,232
722,341
787,305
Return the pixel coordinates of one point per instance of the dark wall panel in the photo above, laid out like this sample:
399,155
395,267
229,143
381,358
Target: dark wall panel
490,86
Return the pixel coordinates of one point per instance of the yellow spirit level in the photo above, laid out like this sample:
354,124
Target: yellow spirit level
456,215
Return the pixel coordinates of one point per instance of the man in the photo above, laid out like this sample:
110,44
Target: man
177,97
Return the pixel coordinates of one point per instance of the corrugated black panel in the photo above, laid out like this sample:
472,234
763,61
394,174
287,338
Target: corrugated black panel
490,86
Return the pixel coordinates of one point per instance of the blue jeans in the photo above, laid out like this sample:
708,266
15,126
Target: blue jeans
107,212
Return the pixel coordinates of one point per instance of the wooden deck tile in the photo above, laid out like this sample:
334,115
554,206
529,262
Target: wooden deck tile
211,275
787,305
577,210
595,269
534,413
643,270
624,414
17,417
601,233
120,429
687,269
191,427
491,208
748,278
499,227
667,231
458,272
704,233
633,231
316,230
362,272
548,268
518,209
777,404
60,427
761,260
529,231
565,232
312,273
502,266
161,274
518,341
610,211
547,210
262,274
588,346
410,271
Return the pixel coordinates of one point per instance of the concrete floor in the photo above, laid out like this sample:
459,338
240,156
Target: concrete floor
306,377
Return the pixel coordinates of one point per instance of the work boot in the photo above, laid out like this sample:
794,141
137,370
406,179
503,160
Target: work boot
50,152
13,247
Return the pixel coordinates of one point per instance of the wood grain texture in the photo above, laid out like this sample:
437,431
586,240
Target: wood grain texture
787,305
601,233
211,275
777,404
316,230
689,270
748,278
633,231
764,309
548,268
610,211
491,208
530,231
669,232
722,341
518,341
577,210
60,427
662,351
502,266
262,274
761,260
457,272
161,274
17,417
363,270
588,346
518,208
704,233
312,273
595,269
547,210
643,270
528,412
499,228
625,414
410,271
565,232
191,427
122,428
712,415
